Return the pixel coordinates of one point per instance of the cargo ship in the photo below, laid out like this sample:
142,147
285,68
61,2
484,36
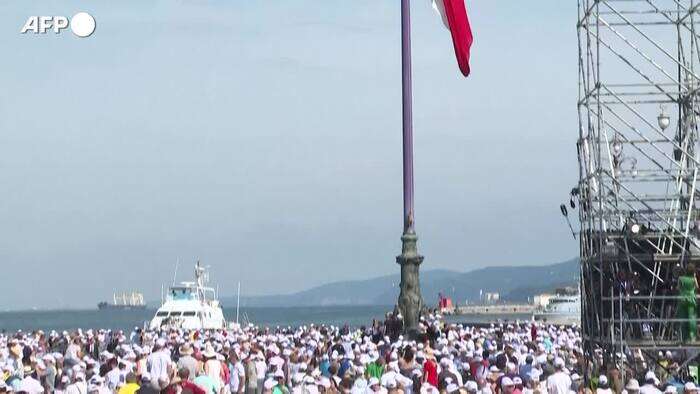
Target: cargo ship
124,301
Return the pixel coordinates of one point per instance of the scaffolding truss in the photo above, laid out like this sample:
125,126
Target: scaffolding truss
638,170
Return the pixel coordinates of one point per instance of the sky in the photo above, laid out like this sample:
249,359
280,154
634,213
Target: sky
264,138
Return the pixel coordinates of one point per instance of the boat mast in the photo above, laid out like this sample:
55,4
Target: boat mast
238,301
177,263
199,278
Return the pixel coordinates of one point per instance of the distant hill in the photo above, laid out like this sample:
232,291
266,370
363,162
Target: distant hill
516,283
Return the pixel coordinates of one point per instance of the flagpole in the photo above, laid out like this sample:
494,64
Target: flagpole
410,300
407,97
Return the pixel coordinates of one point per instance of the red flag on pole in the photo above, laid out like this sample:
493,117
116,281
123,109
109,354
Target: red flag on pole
454,16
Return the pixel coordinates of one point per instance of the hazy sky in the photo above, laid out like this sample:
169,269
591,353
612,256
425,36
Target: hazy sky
264,138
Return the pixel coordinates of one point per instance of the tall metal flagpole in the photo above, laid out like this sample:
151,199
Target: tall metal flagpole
410,300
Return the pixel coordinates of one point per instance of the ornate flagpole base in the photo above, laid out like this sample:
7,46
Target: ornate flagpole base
410,300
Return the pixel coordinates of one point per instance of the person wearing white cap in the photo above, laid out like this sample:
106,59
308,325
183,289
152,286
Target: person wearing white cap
690,388
359,387
393,387
73,353
603,385
532,382
61,385
159,365
576,382
48,379
650,382
260,370
494,376
281,386
78,386
507,385
29,384
632,386
559,382
452,388
670,389
268,385
237,371
448,371
113,375
373,385
518,383
212,365
13,363
186,360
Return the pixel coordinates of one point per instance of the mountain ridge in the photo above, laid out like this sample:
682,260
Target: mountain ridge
513,283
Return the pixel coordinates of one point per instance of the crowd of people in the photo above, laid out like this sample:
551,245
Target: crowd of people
521,358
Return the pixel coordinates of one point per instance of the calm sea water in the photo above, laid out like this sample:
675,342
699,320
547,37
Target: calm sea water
354,316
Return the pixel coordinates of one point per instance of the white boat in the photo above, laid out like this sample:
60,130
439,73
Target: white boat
190,306
561,309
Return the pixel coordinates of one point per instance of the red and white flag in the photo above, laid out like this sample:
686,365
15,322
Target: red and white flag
454,16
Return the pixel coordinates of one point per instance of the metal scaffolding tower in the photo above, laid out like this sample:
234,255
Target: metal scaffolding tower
638,170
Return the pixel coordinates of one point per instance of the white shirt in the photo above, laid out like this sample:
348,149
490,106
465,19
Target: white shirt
236,374
31,386
456,373
75,388
104,390
261,368
392,375
112,377
277,360
122,374
158,364
213,368
559,383
486,390
424,389
649,389
72,352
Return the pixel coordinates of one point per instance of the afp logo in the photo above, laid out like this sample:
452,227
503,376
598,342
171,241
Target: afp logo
82,24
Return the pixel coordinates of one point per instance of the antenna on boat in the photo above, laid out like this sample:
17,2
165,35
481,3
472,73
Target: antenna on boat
177,263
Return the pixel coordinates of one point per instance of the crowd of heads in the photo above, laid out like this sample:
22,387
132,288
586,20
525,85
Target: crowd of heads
520,358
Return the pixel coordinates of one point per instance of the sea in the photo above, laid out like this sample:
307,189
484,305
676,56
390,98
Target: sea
127,320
